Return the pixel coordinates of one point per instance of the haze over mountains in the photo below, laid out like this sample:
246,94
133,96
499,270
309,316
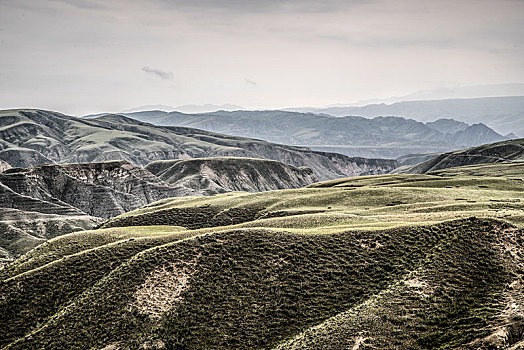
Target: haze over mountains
504,114
380,137
186,108
33,137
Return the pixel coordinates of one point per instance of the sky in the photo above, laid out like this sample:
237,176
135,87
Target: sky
89,56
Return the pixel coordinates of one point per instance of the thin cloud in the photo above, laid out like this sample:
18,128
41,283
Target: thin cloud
250,82
159,73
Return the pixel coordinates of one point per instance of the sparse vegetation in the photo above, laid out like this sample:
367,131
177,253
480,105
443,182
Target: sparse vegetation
377,261
366,202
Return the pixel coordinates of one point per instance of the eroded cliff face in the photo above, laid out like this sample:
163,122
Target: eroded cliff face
50,200
206,176
98,189
4,166
26,222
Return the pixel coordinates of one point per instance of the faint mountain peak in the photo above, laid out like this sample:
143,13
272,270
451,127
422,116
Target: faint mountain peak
165,108
189,108
206,108
447,125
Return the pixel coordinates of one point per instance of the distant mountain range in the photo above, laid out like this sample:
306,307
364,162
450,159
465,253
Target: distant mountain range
443,93
33,137
382,137
187,108
504,114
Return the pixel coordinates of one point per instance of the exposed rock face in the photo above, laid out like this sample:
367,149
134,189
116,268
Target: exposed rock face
507,151
64,139
26,222
206,176
99,189
4,166
51,200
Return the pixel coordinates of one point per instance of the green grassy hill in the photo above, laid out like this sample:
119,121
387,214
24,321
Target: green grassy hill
393,261
506,151
372,202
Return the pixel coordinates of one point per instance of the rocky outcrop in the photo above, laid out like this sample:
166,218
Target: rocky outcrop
50,200
4,166
206,176
64,139
507,151
26,222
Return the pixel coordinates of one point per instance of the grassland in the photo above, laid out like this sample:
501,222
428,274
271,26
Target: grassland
360,263
366,202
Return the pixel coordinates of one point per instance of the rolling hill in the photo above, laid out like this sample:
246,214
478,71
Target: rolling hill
50,200
389,261
384,137
506,151
33,137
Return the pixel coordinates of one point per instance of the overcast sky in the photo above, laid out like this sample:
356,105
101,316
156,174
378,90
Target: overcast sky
86,56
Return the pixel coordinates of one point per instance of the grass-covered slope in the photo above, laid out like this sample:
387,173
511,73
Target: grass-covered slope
366,202
392,261
205,176
440,286
506,151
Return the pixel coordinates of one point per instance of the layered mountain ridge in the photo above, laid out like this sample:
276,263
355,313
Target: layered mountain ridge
387,137
504,114
33,137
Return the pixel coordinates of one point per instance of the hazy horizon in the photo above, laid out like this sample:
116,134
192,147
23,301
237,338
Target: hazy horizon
89,56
